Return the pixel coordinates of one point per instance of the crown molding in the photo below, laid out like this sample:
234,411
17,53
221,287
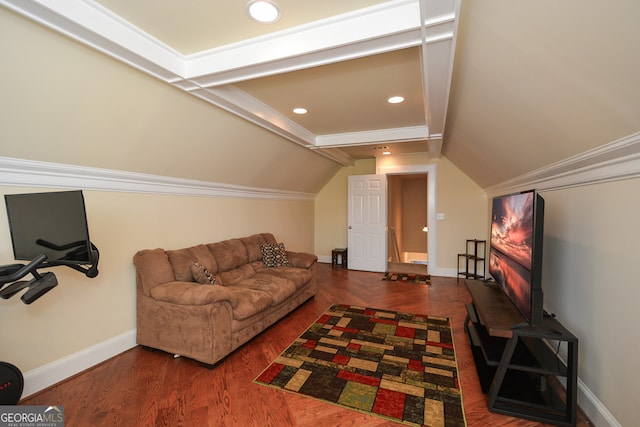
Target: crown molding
31,173
614,161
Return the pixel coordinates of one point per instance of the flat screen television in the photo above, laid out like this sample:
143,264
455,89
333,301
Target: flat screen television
53,224
515,256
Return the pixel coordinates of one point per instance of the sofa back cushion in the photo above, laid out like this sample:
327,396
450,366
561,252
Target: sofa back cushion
230,261
231,277
182,259
253,243
229,254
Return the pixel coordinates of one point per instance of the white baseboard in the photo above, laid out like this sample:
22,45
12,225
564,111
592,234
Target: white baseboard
326,259
61,369
443,272
597,413
593,408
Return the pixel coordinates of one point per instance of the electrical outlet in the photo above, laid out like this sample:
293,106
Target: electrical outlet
440,216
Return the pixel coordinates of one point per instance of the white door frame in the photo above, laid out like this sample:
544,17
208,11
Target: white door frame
430,170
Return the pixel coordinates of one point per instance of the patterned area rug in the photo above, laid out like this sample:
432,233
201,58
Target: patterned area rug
398,366
408,278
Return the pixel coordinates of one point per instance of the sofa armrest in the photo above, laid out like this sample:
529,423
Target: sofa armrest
152,269
190,293
301,259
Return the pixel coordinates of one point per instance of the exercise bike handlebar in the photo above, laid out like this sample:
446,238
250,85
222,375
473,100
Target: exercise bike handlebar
23,271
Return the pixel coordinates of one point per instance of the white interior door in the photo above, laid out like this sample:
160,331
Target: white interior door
367,236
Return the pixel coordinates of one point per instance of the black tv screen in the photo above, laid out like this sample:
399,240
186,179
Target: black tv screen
515,259
53,224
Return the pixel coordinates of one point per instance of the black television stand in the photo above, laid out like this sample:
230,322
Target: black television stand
516,365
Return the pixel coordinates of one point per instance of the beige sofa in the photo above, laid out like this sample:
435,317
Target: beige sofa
180,310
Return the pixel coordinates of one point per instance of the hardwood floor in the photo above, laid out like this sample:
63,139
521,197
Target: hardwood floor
151,388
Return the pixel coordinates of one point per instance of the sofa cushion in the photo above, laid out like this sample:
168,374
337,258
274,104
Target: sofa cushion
236,275
190,293
229,254
279,288
253,243
182,259
298,276
274,255
250,301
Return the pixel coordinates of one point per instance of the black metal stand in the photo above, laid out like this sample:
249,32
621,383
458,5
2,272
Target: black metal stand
516,365
473,257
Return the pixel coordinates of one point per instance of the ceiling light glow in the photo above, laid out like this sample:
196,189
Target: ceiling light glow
300,110
265,11
386,153
395,100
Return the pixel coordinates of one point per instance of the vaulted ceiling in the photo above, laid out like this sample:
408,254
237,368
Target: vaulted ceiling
340,60
499,87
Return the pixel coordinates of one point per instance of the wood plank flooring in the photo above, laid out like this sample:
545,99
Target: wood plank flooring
151,388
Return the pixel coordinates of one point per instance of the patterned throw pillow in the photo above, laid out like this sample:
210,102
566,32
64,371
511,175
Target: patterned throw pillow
274,255
202,275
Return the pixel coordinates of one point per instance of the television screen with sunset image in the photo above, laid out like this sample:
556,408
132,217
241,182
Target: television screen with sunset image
516,250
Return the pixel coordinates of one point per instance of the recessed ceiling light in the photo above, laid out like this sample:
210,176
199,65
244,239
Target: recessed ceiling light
300,110
386,153
395,100
265,11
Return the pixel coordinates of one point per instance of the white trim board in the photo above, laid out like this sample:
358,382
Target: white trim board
31,173
617,160
68,366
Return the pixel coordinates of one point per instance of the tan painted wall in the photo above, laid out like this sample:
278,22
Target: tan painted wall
331,209
463,203
590,282
414,215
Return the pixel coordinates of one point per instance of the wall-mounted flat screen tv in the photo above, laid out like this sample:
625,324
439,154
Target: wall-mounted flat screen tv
515,259
53,224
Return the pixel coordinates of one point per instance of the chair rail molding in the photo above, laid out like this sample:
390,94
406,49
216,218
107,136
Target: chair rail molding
615,161
31,173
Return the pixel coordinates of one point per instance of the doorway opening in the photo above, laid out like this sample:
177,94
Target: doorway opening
407,219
